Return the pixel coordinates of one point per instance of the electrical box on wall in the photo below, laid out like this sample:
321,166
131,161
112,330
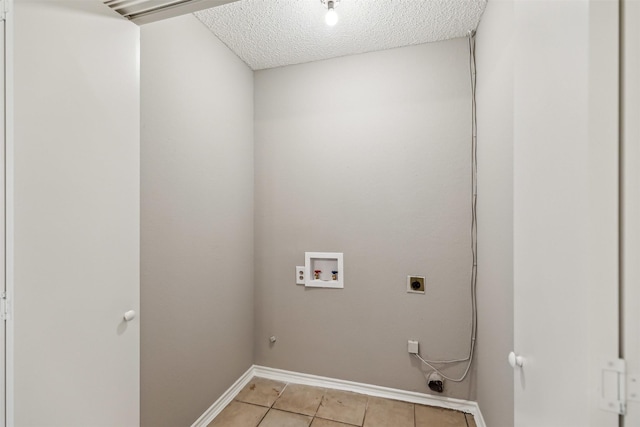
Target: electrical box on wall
415,284
324,270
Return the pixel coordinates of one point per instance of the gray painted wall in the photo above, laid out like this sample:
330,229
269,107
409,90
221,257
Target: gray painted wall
367,155
197,221
495,72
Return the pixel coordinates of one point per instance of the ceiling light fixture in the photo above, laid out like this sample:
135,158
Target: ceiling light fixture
331,17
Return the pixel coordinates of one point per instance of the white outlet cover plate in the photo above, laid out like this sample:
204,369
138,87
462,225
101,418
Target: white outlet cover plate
300,275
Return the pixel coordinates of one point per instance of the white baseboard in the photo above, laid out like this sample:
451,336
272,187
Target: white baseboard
317,381
225,399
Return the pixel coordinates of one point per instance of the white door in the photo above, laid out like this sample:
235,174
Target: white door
3,289
631,207
565,209
76,208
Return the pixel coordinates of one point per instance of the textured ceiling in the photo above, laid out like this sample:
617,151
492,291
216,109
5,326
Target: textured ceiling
273,33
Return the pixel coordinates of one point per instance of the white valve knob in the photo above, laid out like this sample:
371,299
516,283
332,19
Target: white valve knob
515,360
129,315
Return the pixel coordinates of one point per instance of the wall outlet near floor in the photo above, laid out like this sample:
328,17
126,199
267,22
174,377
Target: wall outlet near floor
436,382
300,275
415,284
412,347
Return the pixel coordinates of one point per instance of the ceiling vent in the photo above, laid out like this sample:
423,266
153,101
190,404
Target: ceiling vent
146,11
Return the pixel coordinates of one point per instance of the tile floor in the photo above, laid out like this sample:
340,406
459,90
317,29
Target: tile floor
268,403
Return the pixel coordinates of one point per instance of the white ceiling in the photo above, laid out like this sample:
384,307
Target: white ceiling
273,33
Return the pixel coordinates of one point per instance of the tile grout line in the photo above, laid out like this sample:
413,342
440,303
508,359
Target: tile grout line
414,415
270,407
366,409
263,417
313,417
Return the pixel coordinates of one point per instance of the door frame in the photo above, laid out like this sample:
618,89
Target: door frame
8,218
630,204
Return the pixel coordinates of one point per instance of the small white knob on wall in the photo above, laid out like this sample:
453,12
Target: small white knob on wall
515,360
129,315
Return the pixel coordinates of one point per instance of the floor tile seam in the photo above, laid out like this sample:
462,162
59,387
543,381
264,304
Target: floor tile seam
293,412
249,403
279,394
366,411
290,411
257,404
415,421
367,397
263,417
282,391
327,419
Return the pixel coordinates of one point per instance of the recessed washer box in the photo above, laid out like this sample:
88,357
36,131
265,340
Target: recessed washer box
324,269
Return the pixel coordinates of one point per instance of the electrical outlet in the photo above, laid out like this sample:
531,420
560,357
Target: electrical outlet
415,284
300,275
412,347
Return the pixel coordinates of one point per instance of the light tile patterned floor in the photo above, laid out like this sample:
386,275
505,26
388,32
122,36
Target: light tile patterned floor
268,403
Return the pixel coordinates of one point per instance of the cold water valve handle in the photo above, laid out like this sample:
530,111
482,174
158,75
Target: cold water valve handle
515,360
